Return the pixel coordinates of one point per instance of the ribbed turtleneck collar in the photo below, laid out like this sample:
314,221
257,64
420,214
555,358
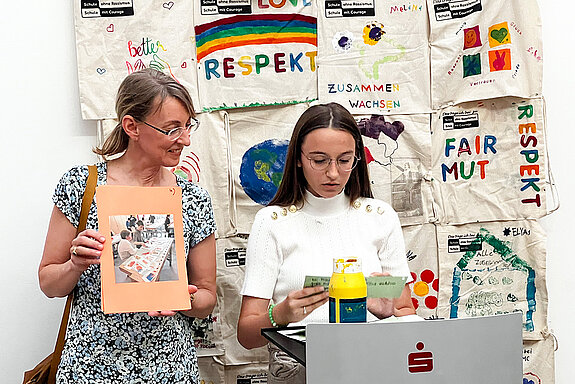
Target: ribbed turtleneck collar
319,206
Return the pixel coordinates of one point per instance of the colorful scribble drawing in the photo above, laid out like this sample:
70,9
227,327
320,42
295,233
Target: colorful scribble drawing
261,170
478,267
373,34
499,35
471,37
425,289
531,378
256,29
471,65
189,168
500,60
382,133
380,141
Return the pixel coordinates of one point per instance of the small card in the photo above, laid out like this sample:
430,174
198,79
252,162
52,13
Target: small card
377,286
385,286
314,281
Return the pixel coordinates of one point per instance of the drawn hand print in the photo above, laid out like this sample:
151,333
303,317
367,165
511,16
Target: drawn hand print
168,5
158,63
139,64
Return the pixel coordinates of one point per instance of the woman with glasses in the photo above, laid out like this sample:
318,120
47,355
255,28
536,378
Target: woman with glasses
323,209
155,120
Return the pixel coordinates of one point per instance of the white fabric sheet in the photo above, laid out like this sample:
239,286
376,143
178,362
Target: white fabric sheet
482,49
373,56
494,268
489,160
253,53
113,41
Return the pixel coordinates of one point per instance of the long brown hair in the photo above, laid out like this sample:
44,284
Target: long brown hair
140,94
293,185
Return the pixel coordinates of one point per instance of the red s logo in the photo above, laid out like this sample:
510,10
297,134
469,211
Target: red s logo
420,361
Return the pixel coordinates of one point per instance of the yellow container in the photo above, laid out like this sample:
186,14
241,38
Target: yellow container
347,292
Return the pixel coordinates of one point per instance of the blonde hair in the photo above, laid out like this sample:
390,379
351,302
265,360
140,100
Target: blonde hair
138,94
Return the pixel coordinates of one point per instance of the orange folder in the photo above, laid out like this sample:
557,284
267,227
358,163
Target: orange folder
141,296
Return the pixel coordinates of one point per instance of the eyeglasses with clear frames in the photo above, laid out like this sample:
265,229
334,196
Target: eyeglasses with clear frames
345,163
175,133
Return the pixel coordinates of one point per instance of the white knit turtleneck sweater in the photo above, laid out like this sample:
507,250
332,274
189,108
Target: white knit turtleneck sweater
285,246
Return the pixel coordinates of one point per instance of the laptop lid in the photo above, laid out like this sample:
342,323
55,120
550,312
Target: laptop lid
474,350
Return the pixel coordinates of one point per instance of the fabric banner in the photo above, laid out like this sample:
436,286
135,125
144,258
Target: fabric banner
231,260
208,335
210,371
259,142
421,248
116,38
373,56
397,150
254,53
247,374
205,162
482,49
489,160
494,268
539,361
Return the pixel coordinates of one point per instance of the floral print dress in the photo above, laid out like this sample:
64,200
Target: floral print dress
127,347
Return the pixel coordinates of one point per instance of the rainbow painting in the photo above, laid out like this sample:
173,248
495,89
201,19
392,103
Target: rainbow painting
258,29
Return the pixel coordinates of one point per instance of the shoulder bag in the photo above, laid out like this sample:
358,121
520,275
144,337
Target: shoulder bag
45,371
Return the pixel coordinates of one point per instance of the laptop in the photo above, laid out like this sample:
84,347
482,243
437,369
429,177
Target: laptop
474,350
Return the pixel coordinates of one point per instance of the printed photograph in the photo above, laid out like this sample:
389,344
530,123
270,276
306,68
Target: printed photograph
143,248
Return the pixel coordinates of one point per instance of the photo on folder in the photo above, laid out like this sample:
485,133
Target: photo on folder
143,261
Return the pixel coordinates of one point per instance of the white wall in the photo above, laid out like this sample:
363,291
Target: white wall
558,88
42,135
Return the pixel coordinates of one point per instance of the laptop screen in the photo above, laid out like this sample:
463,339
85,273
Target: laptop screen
475,350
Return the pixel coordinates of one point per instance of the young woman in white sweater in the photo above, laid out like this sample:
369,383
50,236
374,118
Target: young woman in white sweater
323,209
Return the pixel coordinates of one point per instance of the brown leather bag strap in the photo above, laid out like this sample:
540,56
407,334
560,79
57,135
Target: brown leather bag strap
86,203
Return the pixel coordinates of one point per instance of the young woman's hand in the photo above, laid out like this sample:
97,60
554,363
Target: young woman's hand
299,304
380,307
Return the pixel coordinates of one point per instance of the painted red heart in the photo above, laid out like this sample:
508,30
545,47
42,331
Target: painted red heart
184,65
110,28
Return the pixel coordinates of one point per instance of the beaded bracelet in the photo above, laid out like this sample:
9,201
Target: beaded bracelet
271,316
